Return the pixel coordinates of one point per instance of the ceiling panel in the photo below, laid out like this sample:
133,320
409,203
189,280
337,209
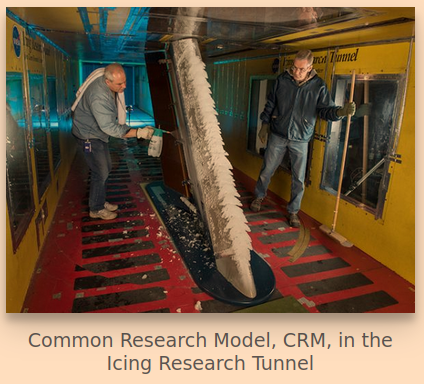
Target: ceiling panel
127,33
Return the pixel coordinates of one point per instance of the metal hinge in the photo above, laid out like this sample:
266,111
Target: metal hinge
320,137
396,158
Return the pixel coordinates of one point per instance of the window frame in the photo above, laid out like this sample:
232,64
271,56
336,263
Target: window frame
394,133
18,232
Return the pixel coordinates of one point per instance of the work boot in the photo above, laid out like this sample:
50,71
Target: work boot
111,207
294,220
103,214
255,206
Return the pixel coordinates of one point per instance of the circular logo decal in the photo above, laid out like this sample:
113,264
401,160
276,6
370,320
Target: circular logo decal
16,41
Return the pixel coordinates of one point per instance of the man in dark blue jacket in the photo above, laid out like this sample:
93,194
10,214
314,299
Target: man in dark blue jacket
298,97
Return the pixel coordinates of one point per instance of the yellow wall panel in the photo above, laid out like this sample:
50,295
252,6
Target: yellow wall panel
20,264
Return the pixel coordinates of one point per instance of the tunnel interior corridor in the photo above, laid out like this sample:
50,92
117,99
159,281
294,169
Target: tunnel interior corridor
131,264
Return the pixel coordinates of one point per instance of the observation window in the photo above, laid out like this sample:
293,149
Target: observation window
371,141
39,126
20,201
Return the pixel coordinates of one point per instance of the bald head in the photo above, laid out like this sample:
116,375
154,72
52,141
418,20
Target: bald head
115,77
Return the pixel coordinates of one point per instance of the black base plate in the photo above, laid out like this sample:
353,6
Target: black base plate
193,243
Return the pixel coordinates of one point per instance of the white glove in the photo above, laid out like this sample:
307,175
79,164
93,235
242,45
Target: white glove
145,133
347,109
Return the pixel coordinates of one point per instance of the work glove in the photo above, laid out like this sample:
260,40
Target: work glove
145,133
364,110
264,132
348,109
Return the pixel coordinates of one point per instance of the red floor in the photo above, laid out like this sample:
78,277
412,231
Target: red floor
130,264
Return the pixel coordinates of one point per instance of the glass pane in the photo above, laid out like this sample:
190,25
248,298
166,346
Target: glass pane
259,91
260,88
39,125
19,181
54,123
369,139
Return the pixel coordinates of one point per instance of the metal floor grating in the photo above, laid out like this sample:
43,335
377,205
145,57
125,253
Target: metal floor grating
130,264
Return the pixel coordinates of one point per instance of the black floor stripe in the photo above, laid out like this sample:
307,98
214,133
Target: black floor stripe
144,173
119,171
120,198
127,206
141,278
118,299
118,176
124,263
359,304
116,249
144,165
265,216
161,310
144,162
264,207
280,237
121,215
118,193
245,198
314,250
314,267
334,284
118,181
268,227
150,175
117,187
104,226
114,237
127,213
245,193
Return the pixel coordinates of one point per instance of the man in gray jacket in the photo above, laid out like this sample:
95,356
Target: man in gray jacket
95,119
289,117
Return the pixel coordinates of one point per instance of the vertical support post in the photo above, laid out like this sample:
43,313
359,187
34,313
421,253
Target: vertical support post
365,141
339,189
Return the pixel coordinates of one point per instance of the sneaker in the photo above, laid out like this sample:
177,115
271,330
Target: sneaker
111,207
255,206
103,214
294,220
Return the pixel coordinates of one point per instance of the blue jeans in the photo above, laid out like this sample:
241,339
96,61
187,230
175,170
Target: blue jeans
274,154
100,164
